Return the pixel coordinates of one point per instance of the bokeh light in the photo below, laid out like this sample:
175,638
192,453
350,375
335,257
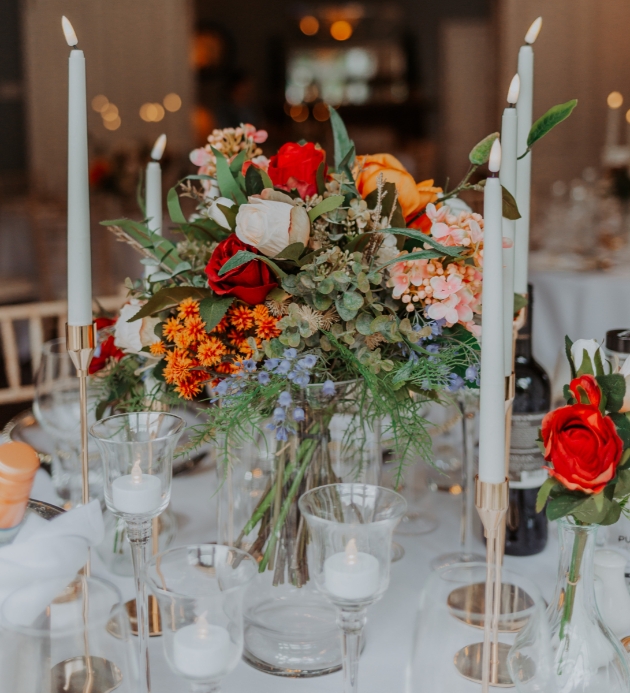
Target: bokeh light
112,124
614,100
341,30
309,25
628,116
109,113
100,103
320,112
299,113
152,112
172,102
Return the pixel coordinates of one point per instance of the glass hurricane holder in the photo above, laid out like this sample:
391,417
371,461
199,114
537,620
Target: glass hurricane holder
54,638
584,655
137,452
200,590
351,528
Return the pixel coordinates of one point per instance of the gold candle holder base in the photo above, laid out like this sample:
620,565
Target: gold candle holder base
469,663
155,622
83,675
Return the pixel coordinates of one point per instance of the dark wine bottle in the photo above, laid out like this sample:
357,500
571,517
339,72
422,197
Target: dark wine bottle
526,532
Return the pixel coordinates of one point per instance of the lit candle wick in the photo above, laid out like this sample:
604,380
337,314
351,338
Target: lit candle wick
158,148
69,32
202,626
136,473
514,90
533,31
352,553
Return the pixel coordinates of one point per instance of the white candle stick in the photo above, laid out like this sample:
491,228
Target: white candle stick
137,493
508,181
351,574
492,387
202,651
79,258
154,194
613,122
524,109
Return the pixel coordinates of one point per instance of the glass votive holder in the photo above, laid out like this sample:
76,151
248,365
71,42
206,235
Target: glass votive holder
351,528
66,638
200,590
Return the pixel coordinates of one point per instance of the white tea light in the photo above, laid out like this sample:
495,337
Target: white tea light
137,493
202,651
352,574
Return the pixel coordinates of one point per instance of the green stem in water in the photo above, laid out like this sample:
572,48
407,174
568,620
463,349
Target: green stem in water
573,578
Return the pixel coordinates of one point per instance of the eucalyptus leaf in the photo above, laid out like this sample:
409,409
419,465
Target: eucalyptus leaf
352,300
174,208
549,120
363,324
326,205
244,256
322,301
291,252
212,310
326,286
168,298
344,312
480,153
424,238
510,208
419,255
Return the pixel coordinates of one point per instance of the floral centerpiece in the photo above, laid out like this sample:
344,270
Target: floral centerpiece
587,445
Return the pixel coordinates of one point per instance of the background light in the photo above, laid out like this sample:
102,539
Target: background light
299,113
614,100
320,112
172,102
341,30
110,113
152,112
112,124
99,103
309,25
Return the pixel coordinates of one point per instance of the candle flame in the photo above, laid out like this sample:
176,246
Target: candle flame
514,90
136,473
352,553
533,31
158,148
494,163
202,625
69,33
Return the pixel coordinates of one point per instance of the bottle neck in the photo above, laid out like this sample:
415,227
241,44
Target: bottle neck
524,336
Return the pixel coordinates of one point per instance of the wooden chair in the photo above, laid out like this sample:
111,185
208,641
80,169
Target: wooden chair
35,314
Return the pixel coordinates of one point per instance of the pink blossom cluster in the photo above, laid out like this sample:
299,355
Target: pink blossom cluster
444,288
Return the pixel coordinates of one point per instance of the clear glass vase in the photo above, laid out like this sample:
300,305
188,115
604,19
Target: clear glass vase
584,655
290,629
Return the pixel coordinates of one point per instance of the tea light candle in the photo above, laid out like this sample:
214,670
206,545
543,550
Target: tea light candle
202,651
352,574
18,464
137,493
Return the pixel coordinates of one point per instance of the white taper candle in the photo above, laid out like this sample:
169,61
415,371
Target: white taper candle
492,387
154,193
79,257
524,165
508,181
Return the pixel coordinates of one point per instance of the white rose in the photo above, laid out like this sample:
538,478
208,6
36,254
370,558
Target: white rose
265,225
131,337
591,347
217,214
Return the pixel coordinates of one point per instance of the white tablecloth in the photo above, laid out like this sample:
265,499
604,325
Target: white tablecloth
390,621
582,305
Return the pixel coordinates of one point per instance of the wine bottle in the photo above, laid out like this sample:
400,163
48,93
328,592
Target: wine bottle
526,532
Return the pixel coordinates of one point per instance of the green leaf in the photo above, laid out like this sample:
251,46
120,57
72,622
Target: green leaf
320,178
613,515
586,367
140,194
253,181
326,205
237,163
352,300
267,182
227,184
174,209
168,298
568,395
520,302
343,143
204,229
614,388
244,256
563,505
622,488
510,208
212,310
291,252
543,493
549,120
567,350
230,215
480,153
344,312
363,324
593,510
599,366
419,255
622,424
358,243
423,238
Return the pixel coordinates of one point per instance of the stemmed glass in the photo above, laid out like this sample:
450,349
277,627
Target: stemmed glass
351,528
200,593
137,453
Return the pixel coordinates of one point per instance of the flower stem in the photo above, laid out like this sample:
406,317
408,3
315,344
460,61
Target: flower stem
581,537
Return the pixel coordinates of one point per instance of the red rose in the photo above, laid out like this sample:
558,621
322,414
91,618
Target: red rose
580,442
250,282
106,349
295,167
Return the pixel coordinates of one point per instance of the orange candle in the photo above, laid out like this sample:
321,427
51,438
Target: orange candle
18,464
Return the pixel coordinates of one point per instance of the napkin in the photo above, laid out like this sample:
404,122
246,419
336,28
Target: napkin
50,551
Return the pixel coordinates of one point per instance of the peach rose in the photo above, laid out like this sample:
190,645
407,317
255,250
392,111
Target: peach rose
413,197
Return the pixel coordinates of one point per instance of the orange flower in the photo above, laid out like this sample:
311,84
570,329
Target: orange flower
183,339
178,366
188,390
188,308
413,197
157,348
222,326
195,328
267,328
240,317
172,327
226,367
236,338
260,312
210,352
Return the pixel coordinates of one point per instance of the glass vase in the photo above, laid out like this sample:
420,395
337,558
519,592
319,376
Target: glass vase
585,656
290,629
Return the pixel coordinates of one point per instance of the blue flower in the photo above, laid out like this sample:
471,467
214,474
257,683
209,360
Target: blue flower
432,348
271,364
263,378
279,414
302,380
307,362
290,353
436,327
284,367
281,433
285,399
222,388
298,414
456,382
472,374
328,388
249,365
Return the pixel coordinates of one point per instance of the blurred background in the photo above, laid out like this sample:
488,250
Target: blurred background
424,80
